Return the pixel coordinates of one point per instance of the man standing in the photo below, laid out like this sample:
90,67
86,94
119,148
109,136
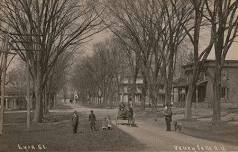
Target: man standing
75,120
130,115
168,117
92,120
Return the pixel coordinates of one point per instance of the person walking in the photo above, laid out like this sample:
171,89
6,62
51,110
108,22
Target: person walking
168,117
75,120
92,120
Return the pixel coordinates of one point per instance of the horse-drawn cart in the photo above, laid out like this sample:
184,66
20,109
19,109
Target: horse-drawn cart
124,116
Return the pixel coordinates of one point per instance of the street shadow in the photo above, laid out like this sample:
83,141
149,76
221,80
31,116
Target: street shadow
126,124
229,138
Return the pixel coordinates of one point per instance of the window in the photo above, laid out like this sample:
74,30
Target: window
162,98
225,75
224,92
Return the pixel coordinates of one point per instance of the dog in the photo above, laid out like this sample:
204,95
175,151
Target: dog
178,126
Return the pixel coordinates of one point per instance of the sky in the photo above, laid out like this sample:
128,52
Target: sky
232,54
102,36
99,37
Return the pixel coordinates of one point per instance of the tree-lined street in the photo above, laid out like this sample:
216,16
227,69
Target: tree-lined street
168,68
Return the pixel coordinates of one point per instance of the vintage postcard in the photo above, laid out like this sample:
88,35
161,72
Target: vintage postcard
118,75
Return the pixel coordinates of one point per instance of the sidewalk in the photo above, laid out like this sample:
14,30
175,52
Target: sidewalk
201,125
204,129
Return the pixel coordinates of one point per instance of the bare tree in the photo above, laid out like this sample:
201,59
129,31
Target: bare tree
193,31
44,30
57,79
134,25
153,31
222,14
176,16
98,76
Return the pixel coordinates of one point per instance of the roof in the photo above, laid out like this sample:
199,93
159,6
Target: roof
180,82
211,64
11,91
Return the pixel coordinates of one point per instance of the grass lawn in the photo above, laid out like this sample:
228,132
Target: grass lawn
56,135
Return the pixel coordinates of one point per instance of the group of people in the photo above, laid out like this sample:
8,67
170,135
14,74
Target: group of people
106,125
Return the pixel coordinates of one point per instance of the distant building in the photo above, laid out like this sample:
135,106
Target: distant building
14,101
204,88
126,89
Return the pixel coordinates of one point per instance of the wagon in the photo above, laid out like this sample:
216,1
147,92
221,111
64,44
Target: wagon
122,116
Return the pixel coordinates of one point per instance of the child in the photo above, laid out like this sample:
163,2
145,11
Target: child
109,123
104,124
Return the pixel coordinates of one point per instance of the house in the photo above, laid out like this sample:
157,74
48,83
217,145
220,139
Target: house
204,86
126,89
14,101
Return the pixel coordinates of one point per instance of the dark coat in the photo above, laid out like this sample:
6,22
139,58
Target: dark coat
130,112
75,119
168,115
92,118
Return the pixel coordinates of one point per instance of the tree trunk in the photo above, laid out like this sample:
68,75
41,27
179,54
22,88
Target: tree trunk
190,93
54,100
3,78
169,79
43,101
216,95
28,117
143,93
188,102
46,101
134,86
153,99
38,116
143,100
168,91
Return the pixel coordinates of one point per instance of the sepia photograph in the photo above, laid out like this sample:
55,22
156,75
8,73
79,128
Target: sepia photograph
118,75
